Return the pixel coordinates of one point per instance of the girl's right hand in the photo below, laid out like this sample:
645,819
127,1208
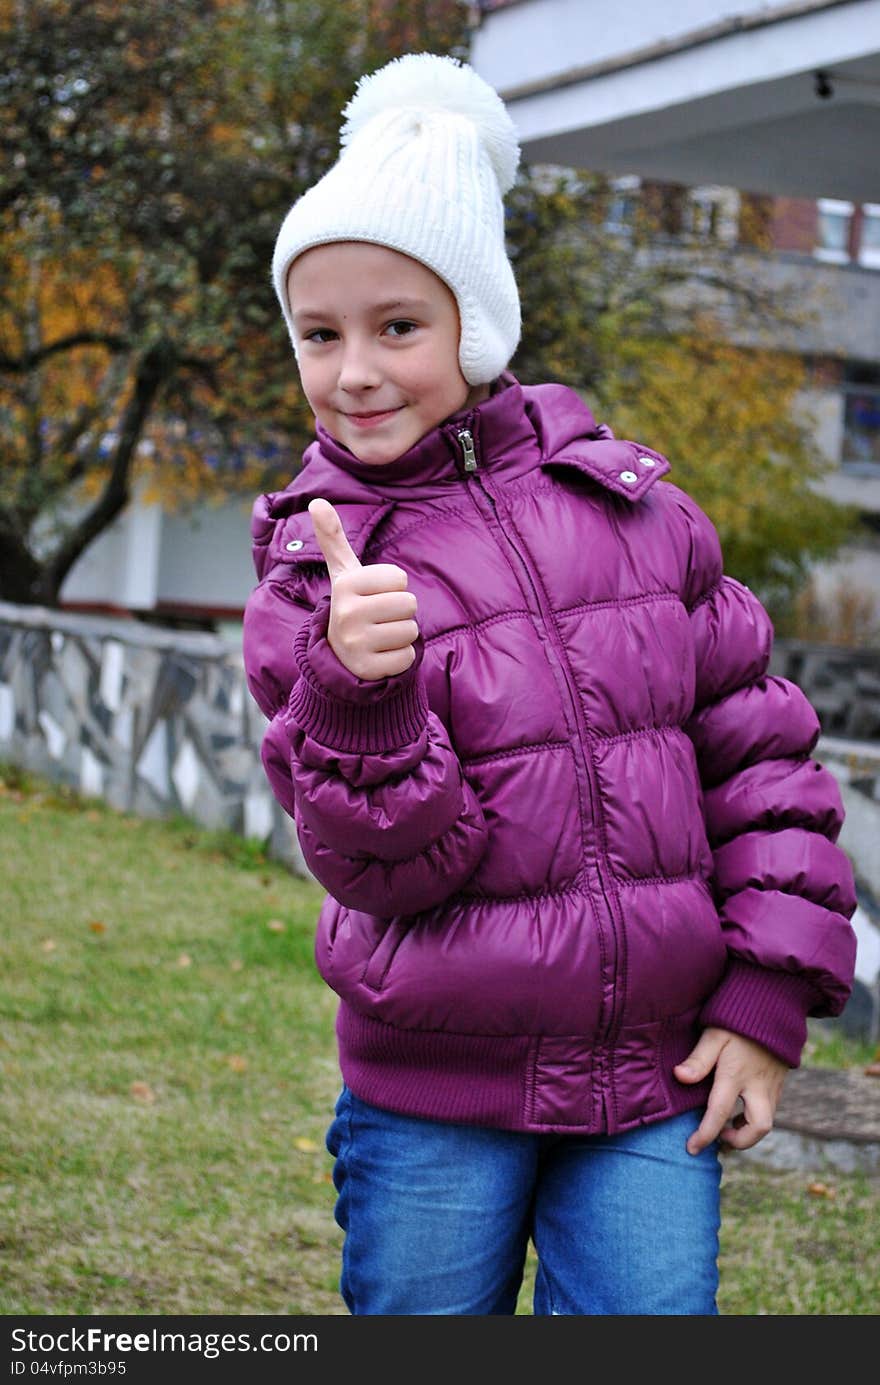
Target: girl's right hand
372,626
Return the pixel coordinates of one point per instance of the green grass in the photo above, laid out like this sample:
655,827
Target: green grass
168,1072
829,1047
168,1066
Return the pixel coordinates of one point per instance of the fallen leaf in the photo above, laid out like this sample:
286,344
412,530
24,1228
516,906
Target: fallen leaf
48,945
97,926
277,926
236,1062
184,960
818,1189
303,1143
142,1091
872,1070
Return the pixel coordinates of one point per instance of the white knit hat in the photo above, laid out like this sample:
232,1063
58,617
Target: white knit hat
428,151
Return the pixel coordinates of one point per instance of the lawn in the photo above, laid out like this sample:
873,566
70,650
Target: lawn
169,1070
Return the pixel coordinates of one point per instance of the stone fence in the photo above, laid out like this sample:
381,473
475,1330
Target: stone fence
842,684
159,721
153,721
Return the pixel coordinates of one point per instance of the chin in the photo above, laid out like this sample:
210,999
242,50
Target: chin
378,451
377,456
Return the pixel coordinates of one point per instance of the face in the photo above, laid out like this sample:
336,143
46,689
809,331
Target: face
377,346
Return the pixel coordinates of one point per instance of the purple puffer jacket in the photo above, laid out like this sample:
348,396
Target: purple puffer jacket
584,824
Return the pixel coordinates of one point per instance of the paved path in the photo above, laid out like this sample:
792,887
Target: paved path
826,1118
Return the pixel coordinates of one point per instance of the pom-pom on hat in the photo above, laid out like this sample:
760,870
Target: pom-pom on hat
428,151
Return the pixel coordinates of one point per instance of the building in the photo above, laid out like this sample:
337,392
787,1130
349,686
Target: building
777,99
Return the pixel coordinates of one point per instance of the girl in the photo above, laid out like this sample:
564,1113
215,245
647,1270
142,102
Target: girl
583,882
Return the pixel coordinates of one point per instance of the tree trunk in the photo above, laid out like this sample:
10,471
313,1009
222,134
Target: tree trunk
23,578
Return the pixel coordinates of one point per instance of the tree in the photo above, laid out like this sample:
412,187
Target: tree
147,156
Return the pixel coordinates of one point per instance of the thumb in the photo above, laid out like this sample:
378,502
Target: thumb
702,1057
338,552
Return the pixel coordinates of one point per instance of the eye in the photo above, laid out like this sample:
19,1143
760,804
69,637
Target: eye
319,335
401,327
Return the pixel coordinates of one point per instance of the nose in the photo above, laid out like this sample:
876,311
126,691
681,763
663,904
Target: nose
358,370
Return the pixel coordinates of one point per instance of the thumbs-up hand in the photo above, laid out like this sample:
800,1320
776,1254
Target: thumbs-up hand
372,627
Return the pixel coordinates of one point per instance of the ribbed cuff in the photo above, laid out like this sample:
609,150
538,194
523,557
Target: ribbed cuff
768,1006
350,714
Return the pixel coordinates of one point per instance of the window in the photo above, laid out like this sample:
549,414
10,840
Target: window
832,231
861,426
711,213
869,246
623,200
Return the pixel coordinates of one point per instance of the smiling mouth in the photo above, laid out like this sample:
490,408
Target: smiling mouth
376,416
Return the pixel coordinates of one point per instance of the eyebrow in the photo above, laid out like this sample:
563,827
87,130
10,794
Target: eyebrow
389,305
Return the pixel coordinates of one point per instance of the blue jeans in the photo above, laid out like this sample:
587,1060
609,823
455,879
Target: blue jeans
438,1216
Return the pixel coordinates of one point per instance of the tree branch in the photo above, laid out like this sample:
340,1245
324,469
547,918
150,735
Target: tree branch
207,369
23,364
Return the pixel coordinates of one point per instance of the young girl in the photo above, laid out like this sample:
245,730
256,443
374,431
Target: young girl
583,882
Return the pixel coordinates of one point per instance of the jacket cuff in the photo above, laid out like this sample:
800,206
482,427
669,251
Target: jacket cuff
346,713
768,1006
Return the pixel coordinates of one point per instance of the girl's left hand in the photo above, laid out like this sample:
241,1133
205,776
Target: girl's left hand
743,1068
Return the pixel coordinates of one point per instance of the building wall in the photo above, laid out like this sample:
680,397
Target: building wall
149,559
205,557
120,568
823,409
793,224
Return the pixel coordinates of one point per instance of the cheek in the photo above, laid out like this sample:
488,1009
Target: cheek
313,378
440,387
455,390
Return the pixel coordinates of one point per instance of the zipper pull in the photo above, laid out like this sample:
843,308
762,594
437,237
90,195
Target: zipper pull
466,438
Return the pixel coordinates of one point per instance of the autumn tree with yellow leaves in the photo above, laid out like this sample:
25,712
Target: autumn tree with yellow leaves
147,155
729,421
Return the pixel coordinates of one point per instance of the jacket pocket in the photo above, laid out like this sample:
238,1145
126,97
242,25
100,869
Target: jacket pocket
294,551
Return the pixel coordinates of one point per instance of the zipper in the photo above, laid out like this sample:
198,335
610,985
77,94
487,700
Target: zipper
471,470
466,438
